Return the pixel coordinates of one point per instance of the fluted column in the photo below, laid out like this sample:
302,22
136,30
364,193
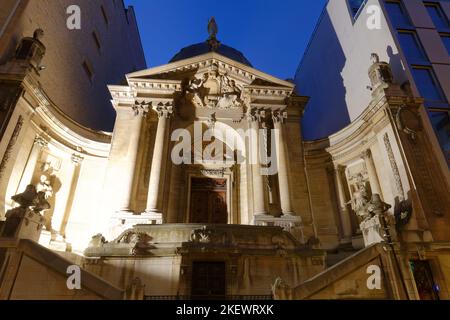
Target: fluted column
283,179
259,203
373,177
343,210
134,127
154,187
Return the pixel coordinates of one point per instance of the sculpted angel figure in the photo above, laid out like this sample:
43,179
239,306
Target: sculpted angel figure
360,198
195,89
231,94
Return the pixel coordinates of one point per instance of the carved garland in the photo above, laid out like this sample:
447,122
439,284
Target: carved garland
10,146
398,181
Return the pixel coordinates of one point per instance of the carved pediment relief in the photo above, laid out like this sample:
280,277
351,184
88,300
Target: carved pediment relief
215,90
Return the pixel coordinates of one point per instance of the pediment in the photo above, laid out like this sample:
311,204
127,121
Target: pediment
188,69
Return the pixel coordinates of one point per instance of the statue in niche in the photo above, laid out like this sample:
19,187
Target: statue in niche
48,185
360,198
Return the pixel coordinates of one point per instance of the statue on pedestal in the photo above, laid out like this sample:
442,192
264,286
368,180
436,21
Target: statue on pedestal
372,225
29,200
360,198
32,50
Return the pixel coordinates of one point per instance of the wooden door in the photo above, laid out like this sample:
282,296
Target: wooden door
208,201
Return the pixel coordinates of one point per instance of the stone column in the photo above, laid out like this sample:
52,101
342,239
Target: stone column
30,167
283,179
60,223
259,203
134,133
343,210
373,177
154,188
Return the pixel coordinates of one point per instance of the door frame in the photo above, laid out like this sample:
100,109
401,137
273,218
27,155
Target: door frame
208,173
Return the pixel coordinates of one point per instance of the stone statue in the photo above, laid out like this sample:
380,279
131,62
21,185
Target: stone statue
32,50
380,73
376,206
360,198
45,186
97,241
213,29
372,225
26,198
29,200
40,203
281,290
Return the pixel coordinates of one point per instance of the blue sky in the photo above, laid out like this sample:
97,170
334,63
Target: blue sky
272,34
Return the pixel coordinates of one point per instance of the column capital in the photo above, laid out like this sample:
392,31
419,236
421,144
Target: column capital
366,154
279,117
77,159
256,115
40,142
339,168
141,109
164,110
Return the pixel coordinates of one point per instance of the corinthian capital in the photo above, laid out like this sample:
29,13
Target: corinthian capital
279,116
141,108
164,110
256,115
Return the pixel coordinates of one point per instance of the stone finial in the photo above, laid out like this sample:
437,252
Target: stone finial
213,29
32,50
380,73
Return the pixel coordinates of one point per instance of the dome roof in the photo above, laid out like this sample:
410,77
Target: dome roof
211,45
204,47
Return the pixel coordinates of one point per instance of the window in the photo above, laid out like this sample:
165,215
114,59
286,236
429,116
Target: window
88,69
437,15
355,6
441,124
397,14
446,40
412,48
105,16
96,40
427,84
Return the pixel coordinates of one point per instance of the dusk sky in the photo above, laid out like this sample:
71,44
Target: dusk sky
272,34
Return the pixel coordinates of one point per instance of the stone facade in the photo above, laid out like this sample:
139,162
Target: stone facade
206,172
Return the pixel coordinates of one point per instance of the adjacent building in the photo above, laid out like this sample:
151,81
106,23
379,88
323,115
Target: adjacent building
413,37
92,54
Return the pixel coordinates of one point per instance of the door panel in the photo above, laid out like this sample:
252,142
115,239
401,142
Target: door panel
208,201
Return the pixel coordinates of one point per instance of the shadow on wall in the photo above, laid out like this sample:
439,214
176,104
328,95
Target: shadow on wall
326,112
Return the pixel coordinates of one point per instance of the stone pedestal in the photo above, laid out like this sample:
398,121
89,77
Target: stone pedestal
372,231
23,223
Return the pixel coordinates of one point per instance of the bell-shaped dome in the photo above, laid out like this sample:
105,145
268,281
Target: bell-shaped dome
211,45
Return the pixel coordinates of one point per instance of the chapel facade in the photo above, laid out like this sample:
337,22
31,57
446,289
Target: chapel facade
206,188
